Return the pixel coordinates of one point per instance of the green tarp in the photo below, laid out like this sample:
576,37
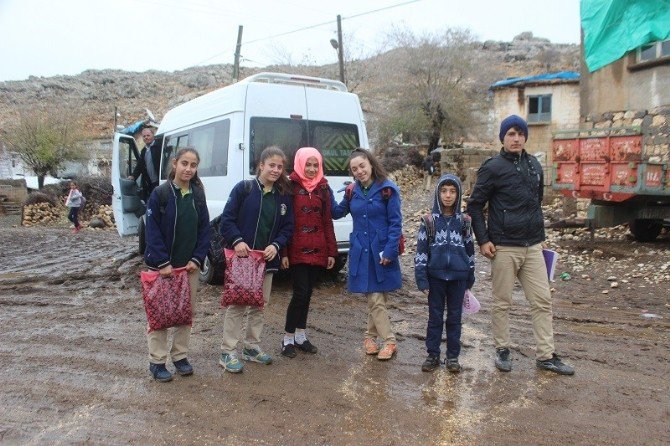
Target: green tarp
614,27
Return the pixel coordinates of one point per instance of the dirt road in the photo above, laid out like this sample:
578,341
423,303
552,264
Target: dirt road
73,359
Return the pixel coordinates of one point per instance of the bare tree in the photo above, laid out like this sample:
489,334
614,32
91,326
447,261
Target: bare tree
44,141
436,83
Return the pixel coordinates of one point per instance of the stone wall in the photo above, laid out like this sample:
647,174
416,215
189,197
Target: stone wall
654,124
464,162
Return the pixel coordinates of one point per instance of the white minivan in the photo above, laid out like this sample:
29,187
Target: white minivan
230,127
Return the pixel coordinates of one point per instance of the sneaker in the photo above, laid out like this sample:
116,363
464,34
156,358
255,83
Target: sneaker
387,352
307,347
430,364
255,355
371,347
230,363
288,350
452,365
503,360
160,373
554,364
183,367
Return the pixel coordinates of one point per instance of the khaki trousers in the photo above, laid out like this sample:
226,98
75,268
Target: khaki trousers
232,322
379,323
158,339
526,264
426,180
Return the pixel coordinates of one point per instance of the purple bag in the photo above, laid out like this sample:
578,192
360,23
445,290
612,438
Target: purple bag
470,303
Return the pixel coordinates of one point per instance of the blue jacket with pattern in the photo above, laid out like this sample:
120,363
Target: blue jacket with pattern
450,255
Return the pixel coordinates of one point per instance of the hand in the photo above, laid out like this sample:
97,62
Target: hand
384,261
270,253
331,263
284,263
425,292
488,250
242,249
191,266
130,177
165,272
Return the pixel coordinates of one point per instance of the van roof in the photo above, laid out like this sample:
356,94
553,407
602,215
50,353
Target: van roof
232,98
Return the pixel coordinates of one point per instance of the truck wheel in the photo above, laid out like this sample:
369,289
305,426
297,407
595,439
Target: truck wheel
142,245
211,273
645,230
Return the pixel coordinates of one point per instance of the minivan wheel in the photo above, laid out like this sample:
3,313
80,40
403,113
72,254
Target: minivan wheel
211,273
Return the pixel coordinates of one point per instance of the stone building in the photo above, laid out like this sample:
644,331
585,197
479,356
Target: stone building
633,91
549,102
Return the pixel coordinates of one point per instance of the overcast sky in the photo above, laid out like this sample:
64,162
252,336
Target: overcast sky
52,37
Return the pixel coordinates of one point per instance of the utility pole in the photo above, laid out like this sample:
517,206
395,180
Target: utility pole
340,50
238,48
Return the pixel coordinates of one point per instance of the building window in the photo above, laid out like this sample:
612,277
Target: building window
652,51
539,108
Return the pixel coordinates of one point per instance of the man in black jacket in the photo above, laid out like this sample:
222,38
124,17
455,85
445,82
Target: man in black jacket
149,163
511,183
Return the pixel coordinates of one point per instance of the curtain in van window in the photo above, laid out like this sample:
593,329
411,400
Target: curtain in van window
334,140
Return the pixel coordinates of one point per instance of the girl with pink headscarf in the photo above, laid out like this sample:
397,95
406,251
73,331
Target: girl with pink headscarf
312,247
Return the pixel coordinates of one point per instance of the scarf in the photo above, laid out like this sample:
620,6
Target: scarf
299,162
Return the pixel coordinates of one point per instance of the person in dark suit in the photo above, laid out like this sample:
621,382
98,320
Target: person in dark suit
148,166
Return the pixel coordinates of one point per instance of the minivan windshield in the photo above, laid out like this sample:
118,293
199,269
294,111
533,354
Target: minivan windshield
334,140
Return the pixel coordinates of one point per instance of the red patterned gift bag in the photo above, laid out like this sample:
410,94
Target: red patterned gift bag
243,284
167,300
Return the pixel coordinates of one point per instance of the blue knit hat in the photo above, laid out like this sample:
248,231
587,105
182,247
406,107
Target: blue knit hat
513,121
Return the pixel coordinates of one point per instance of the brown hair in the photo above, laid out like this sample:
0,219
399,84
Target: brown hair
283,184
195,179
378,172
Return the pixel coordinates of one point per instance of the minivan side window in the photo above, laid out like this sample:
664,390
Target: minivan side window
211,142
172,143
334,140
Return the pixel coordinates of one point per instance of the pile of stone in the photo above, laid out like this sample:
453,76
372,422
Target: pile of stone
41,214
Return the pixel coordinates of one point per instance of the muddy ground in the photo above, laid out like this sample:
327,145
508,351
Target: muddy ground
73,359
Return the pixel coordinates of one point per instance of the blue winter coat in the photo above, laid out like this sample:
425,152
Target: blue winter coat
377,230
160,223
240,216
451,253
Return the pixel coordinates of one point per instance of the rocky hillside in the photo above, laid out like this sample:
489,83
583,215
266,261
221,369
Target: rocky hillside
92,95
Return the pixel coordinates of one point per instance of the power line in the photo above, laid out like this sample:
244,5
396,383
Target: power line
312,27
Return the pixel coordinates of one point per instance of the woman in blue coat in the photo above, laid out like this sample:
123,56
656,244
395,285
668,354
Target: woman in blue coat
374,205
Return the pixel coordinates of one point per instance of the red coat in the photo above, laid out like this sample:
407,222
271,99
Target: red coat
313,239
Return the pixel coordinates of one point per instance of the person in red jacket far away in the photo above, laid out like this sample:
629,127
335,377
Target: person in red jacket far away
312,246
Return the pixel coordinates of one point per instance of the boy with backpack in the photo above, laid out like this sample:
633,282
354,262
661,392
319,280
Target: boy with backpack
444,269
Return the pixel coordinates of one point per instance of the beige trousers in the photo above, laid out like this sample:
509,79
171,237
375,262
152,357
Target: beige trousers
379,323
426,180
527,265
158,339
232,322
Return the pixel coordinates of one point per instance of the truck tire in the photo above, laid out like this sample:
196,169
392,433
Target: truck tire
211,273
142,243
645,230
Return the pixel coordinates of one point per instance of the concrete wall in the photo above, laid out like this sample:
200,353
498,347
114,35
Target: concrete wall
623,85
564,112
